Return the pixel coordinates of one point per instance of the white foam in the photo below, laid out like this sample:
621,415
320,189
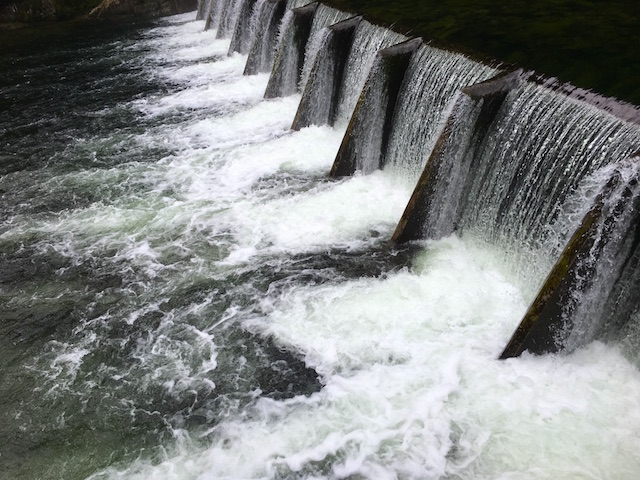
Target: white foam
262,122
413,389
350,213
229,88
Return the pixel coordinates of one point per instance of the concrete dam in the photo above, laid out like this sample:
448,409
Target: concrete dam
540,168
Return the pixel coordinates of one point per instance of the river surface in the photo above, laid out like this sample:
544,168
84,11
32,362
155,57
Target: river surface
186,295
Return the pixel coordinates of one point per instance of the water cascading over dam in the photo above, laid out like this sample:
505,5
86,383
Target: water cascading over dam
266,22
504,158
283,241
508,174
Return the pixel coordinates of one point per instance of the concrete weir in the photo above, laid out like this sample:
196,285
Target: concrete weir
319,104
433,204
568,310
287,66
534,167
364,145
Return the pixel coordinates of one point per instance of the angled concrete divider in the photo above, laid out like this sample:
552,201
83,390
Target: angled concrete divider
265,37
596,272
431,210
242,32
202,9
620,320
228,17
364,145
287,66
211,9
319,102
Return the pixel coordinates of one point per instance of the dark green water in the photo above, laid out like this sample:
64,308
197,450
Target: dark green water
176,272
75,143
592,44
60,91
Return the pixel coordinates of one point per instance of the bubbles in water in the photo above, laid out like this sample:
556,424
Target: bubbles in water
205,303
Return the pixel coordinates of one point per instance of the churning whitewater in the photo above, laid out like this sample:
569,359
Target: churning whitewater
189,296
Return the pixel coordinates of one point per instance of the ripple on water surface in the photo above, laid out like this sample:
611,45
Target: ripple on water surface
186,295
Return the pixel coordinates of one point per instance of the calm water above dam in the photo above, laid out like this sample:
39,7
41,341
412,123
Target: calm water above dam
185,294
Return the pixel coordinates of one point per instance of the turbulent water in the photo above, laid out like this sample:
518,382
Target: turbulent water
186,295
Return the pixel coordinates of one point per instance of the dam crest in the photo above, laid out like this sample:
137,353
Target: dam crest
545,171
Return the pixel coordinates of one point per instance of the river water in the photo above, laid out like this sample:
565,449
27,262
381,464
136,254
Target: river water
186,295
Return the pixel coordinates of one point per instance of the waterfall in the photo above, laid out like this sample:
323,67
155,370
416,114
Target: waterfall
262,50
591,291
229,15
293,36
510,168
502,156
342,64
433,207
212,13
367,41
324,17
539,148
246,24
319,102
203,8
536,151
433,79
367,136
620,318
299,40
